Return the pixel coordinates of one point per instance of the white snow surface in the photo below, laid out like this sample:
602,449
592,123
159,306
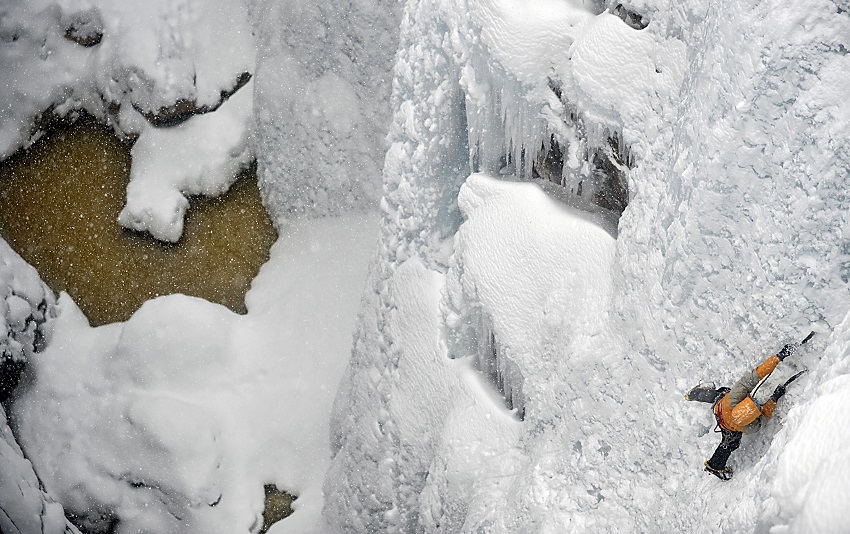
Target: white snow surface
174,420
24,507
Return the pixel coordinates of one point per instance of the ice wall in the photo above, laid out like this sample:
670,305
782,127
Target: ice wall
736,233
741,243
374,482
458,106
732,244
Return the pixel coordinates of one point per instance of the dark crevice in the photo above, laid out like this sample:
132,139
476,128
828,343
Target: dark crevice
10,376
609,174
549,164
84,27
632,18
94,522
506,376
603,178
19,343
491,360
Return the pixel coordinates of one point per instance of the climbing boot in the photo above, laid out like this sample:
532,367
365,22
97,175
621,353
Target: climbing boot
722,474
703,393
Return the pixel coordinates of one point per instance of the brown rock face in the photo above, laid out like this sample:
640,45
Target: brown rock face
84,27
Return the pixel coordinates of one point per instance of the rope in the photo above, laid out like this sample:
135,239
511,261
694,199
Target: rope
762,381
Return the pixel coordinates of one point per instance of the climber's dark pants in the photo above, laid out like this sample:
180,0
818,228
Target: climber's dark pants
731,441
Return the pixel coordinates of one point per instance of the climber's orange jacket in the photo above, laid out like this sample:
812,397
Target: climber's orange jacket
737,411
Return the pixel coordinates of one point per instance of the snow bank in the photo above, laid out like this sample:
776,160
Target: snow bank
175,420
202,156
24,507
812,478
402,404
531,297
810,490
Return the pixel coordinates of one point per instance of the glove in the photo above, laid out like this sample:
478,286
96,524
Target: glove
788,350
778,392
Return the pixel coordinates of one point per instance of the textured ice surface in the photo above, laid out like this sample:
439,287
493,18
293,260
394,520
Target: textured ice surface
322,86
732,245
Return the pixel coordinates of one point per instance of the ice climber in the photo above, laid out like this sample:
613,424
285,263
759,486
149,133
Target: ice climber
735,410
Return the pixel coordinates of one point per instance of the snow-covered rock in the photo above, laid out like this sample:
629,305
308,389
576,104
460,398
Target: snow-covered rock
24,506
149,56
202,156
26,311
26,307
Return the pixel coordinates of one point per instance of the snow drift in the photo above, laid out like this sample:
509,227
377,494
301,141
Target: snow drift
175,420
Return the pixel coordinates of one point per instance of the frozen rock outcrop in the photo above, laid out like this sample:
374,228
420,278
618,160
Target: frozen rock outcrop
26,305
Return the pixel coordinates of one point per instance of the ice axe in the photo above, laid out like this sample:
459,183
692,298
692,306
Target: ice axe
793,378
